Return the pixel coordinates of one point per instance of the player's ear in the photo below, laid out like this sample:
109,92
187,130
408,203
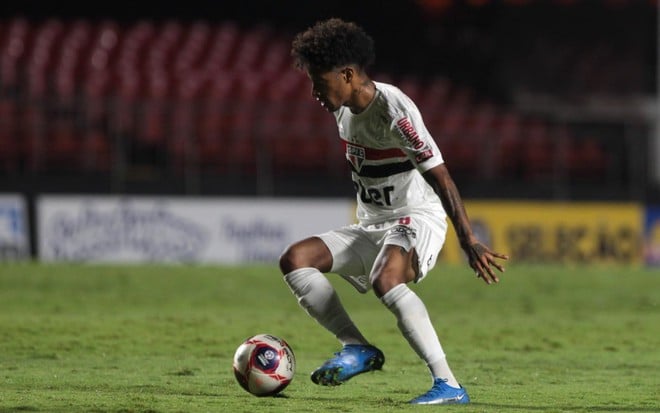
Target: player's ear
347,74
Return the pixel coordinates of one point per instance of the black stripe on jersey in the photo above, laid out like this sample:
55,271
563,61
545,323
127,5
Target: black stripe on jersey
382,171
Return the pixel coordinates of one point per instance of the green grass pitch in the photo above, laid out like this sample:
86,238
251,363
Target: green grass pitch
92,338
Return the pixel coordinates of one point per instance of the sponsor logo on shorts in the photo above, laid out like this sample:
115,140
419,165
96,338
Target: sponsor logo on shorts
403,230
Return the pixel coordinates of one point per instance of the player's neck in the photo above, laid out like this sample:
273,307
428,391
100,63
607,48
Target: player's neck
362,95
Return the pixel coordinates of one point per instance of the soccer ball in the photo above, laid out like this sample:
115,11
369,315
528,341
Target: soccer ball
264,365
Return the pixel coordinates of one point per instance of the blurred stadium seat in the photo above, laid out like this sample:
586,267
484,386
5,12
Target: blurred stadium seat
219,97
9,141
507,144
538,150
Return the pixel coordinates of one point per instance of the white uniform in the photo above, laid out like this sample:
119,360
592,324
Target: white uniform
388,148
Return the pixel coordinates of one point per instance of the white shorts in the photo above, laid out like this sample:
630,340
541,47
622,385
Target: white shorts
354,248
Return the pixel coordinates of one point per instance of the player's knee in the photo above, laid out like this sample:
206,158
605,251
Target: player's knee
292,258
381,288
389,277
384,282
311,252
288,260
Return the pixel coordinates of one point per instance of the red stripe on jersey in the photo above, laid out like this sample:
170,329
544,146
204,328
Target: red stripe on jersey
374,154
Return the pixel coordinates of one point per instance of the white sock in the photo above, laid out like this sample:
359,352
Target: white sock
319,298
415,324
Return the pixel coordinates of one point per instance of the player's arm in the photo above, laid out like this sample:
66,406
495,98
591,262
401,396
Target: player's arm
480,256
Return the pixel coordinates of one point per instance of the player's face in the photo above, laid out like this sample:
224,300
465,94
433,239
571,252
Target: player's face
331,88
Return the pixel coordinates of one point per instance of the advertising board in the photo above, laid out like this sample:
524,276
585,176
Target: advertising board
14,230
248,230
652,236
551,232
164,229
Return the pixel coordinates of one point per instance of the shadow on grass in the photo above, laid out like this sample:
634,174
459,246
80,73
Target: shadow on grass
554,408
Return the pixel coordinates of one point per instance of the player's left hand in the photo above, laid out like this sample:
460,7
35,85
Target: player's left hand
482,261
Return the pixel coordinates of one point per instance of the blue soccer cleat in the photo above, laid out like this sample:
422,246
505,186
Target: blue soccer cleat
442,393
352,360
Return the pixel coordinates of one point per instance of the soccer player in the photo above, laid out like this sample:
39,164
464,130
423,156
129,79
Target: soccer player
404,194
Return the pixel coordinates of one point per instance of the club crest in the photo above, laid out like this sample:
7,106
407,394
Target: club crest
355,156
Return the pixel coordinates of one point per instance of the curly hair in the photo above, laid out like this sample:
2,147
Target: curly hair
332,43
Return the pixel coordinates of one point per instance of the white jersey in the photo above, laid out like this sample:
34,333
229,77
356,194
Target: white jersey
388,148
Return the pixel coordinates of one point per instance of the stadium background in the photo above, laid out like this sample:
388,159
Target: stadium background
541,108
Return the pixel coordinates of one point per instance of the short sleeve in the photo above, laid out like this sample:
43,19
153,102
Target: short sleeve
416,141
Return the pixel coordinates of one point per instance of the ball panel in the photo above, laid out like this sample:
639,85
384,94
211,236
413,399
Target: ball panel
263,384
242,357
287,366
265,357
241,379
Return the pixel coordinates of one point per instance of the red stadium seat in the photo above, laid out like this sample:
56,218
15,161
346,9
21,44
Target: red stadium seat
97,64
538,151
188,56
131,60
481,121
68,65
155,116
435,94
42,56
9,138
160,53
214,122
412,87
240,156
291,85
587,159
62,146
223,43
461,97
297,146
252,86
458,148
13,50
97,151
276,58
184,145
453,123
249,51
507,144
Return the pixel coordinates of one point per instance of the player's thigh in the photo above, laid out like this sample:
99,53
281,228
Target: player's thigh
431,234
353,252
419,239
394,265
